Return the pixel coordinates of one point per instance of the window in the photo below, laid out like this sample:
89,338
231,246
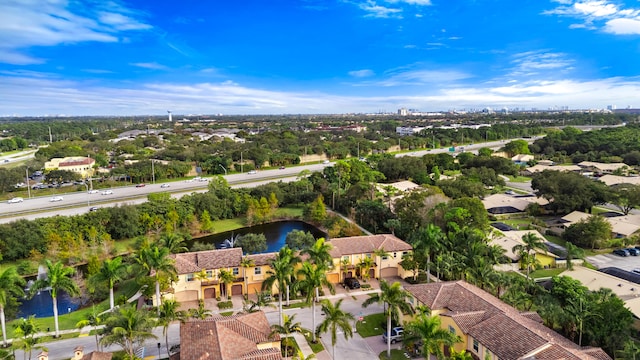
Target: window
257,271
235,272
404,253
209,274
189,277
346,257
452,330
369,256
476,346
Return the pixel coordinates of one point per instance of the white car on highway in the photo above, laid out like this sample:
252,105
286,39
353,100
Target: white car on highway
107,192
15,200
164,186
93,191
56,199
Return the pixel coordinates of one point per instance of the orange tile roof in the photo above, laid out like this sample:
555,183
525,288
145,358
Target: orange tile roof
367,244
506,332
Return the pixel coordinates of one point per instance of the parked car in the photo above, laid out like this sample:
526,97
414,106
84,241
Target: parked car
15,200
621,252
351,283
140,185
107,192
633,251
636,271
282,167
164,186
56,199
252,172
326,162
396,335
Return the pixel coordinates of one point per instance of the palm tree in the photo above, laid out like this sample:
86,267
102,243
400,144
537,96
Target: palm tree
426,241
580,312
572,252
92,319
201,312
395,299
631,351
112,271
319,254
11,285
129,328
263,299
226,277
289,326
26,329
380,254
174,242
531,243
462,355
313,278
246,263
344,266
427,329
282,269
169,313
365,264
335,319
58,278
155,260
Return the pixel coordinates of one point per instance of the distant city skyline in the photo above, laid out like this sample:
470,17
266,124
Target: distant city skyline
253,57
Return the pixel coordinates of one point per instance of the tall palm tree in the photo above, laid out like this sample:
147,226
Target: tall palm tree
335,319
531,243
92,319
380,254
246,263
26,329
11,285
572,252
226,277
282,269
426,241
129,328
58,278
313,278
427,329
174,242
395,299
156,262
112,271
288,327
263,299
169,313
365,264
319,254
201,312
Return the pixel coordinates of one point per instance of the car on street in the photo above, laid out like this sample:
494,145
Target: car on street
93,208
326,162
164,186
633,251
282,168
93,191
140,185
252,172
15,200
107,192
351,283
396,335
56,199
621,252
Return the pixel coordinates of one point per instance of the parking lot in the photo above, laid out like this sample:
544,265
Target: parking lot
627,263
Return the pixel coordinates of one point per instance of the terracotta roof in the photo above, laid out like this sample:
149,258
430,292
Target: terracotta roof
367,244
98,355
502,329
551,352
262,259
207,260
228,338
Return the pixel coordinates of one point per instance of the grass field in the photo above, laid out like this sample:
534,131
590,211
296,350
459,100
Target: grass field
543,273
371,325
395,355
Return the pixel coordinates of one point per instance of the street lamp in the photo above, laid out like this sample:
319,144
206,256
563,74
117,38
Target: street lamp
27,182
153,172
241,163
223,168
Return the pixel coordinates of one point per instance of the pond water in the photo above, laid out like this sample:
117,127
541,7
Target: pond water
276,234
41,305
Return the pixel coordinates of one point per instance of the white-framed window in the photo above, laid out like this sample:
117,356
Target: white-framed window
476,345
236,271
346,257
190,277
369,256
257,271
452,330
209,274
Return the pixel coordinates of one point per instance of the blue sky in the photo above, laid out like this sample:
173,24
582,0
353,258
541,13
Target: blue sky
106,57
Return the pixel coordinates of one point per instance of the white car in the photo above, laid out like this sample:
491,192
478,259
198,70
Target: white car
251,172
93,191
164,186
326,162
56,199
15,200
107,192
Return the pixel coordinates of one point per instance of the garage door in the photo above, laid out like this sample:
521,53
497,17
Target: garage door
372,273
210,293
236,289
333,278
188,295
389,272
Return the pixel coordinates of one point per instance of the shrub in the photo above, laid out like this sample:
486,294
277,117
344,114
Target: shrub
225,305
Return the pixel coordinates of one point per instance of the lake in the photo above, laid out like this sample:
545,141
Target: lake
275,232
41,305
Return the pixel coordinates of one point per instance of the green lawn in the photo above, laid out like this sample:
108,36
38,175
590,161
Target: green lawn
520,179
317,346
395,355
371,325
543,273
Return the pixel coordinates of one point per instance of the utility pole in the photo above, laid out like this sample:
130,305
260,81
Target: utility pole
153,172
50,136
28,185
241,163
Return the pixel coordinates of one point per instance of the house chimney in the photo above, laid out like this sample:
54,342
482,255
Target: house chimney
78,353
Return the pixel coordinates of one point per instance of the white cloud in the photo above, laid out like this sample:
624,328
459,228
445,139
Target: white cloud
378,11
539,62
29,23
361,73
149,65
623,26
418,77
411,2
